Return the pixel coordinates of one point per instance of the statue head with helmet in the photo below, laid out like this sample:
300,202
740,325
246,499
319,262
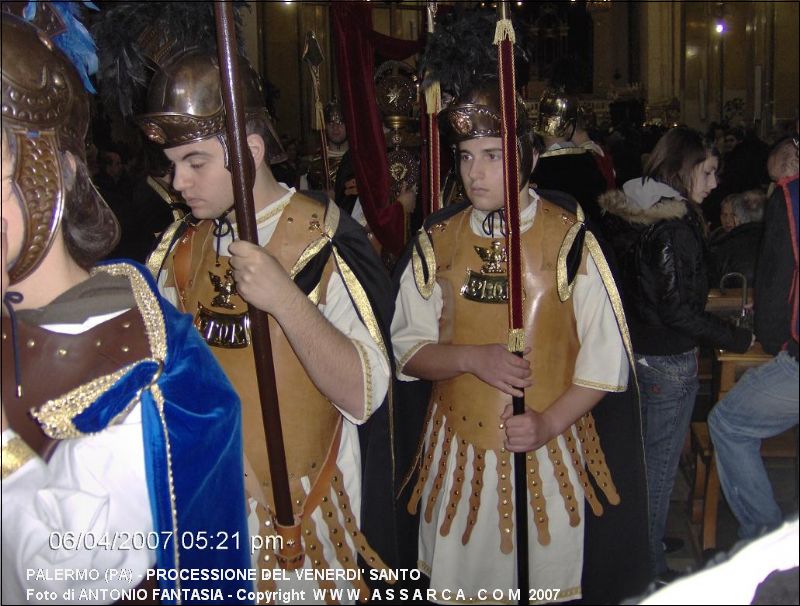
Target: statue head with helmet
45,118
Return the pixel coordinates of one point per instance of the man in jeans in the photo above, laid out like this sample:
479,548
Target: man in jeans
764,403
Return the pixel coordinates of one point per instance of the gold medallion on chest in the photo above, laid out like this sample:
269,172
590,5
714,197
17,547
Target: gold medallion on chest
491,284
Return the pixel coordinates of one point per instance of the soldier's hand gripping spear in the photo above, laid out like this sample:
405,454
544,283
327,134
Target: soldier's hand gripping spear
290,554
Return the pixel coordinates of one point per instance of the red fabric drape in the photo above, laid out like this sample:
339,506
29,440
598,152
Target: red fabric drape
356,45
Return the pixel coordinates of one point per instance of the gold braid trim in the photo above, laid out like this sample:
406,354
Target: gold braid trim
478,465
148,307
361,301
311,251
56,415
155,259
565,288
366,369
504,29
433,99
425,288
613,295
505,501
158,397
538,504
16,453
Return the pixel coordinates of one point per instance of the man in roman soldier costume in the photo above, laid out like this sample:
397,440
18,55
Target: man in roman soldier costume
336,140
317,277
102,406
565,165
451,327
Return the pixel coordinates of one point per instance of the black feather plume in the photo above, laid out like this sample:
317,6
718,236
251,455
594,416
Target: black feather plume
134,38
461,51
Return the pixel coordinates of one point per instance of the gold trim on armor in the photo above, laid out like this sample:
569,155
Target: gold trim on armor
311,251
55,416
16,453
565,288
425,288
613,295
361,301
156,258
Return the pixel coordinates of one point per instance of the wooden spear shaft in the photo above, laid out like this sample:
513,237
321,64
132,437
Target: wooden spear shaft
516,341
243,173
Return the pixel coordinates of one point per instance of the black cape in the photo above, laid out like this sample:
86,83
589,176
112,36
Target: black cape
616,562
379,466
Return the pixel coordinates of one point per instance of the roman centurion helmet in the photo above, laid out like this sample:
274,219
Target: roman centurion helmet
476,113
558,114
184,103
45,111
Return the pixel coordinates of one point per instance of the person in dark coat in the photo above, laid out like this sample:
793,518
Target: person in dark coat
659,238
736,250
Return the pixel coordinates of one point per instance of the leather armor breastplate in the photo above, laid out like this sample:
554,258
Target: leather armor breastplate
309,421
54,363
474,407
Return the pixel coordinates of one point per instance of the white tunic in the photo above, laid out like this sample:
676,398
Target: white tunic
479,567
339,311
52,511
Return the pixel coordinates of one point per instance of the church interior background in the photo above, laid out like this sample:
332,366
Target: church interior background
687,62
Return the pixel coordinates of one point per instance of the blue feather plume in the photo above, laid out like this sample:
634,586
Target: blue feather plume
76,42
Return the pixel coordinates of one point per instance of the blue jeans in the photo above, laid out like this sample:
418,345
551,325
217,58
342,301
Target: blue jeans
668,386
762,404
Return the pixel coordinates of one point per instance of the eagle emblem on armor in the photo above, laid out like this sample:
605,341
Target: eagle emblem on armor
225,287
493,258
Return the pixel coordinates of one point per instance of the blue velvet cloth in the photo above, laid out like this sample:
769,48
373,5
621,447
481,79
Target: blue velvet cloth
203,451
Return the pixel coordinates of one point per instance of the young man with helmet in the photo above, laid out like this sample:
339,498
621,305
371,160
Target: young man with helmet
315,274
450,328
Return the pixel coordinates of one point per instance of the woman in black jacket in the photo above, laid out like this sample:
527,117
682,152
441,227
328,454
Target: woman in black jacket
658,234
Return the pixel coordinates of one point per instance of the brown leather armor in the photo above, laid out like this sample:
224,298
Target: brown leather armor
465,409
309,420
54,363
311,424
